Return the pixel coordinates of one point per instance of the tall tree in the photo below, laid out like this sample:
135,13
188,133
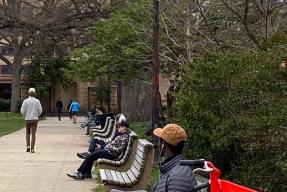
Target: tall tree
26,26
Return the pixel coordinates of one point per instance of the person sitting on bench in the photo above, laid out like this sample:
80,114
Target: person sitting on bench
100,144
110,151
172,176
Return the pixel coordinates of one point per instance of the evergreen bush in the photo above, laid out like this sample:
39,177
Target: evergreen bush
5,105
234,110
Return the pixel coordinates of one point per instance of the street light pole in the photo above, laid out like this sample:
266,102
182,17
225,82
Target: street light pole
155,76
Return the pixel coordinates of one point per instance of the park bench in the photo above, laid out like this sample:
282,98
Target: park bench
110,132
125,159
107,138
138,174
99,129
101,119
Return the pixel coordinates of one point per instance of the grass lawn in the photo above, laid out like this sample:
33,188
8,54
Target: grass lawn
10,122
140,129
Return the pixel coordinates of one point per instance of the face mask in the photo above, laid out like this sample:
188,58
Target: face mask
162,150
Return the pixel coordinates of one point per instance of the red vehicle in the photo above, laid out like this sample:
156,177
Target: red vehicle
215,184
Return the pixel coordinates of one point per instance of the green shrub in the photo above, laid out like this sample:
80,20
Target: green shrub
234,110
5,104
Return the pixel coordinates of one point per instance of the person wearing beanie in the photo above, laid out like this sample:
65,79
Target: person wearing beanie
96,144
31,109
111,150
172,176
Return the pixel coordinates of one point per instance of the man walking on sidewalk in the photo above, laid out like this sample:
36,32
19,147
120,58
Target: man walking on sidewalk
31,109
59,106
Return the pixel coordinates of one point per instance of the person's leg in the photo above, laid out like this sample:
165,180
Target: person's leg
94,143
28,132
34,129
92,148
75,117
60,115
87,165
88,128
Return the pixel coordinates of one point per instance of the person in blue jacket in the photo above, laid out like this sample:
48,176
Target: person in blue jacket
74,108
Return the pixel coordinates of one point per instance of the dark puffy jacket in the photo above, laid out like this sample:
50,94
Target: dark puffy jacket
175,178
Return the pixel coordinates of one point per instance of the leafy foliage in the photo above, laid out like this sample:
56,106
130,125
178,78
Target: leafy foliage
234,109
5,104
117,50
43,75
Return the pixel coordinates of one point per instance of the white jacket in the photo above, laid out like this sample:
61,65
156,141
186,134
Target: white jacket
31,108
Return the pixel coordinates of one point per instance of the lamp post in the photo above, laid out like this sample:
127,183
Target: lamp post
155,76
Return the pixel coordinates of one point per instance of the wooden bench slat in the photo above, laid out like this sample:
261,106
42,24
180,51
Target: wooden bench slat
137,165
140,148
140,159
126,179
121,179
115,177
135,172
103,176
141,154
132,176
109,175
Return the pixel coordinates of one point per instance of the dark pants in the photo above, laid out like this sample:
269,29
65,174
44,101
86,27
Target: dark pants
59,112
87,165
88,129
70,115
93,145
88,125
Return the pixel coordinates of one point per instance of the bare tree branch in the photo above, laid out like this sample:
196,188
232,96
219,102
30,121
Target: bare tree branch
167,33
5,60
244,21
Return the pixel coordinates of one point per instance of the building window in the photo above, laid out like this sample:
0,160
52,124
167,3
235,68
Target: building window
5,91
6,69
7,50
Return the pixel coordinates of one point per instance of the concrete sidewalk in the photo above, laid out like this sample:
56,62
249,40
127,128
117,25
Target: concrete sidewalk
57,143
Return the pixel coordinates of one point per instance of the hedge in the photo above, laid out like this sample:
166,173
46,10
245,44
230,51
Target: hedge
234,108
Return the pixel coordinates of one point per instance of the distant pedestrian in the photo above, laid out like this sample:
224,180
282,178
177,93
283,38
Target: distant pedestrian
68,109
74,108
31,109
59,106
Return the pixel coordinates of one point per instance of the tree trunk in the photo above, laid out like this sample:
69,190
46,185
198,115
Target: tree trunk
266,27
119,95
189,47
16,84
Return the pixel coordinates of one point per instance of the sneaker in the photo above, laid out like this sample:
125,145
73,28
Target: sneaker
76,175
83,155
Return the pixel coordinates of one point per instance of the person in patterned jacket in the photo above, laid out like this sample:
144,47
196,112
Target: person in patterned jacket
111,151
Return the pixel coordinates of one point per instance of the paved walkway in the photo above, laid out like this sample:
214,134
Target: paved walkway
44,171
